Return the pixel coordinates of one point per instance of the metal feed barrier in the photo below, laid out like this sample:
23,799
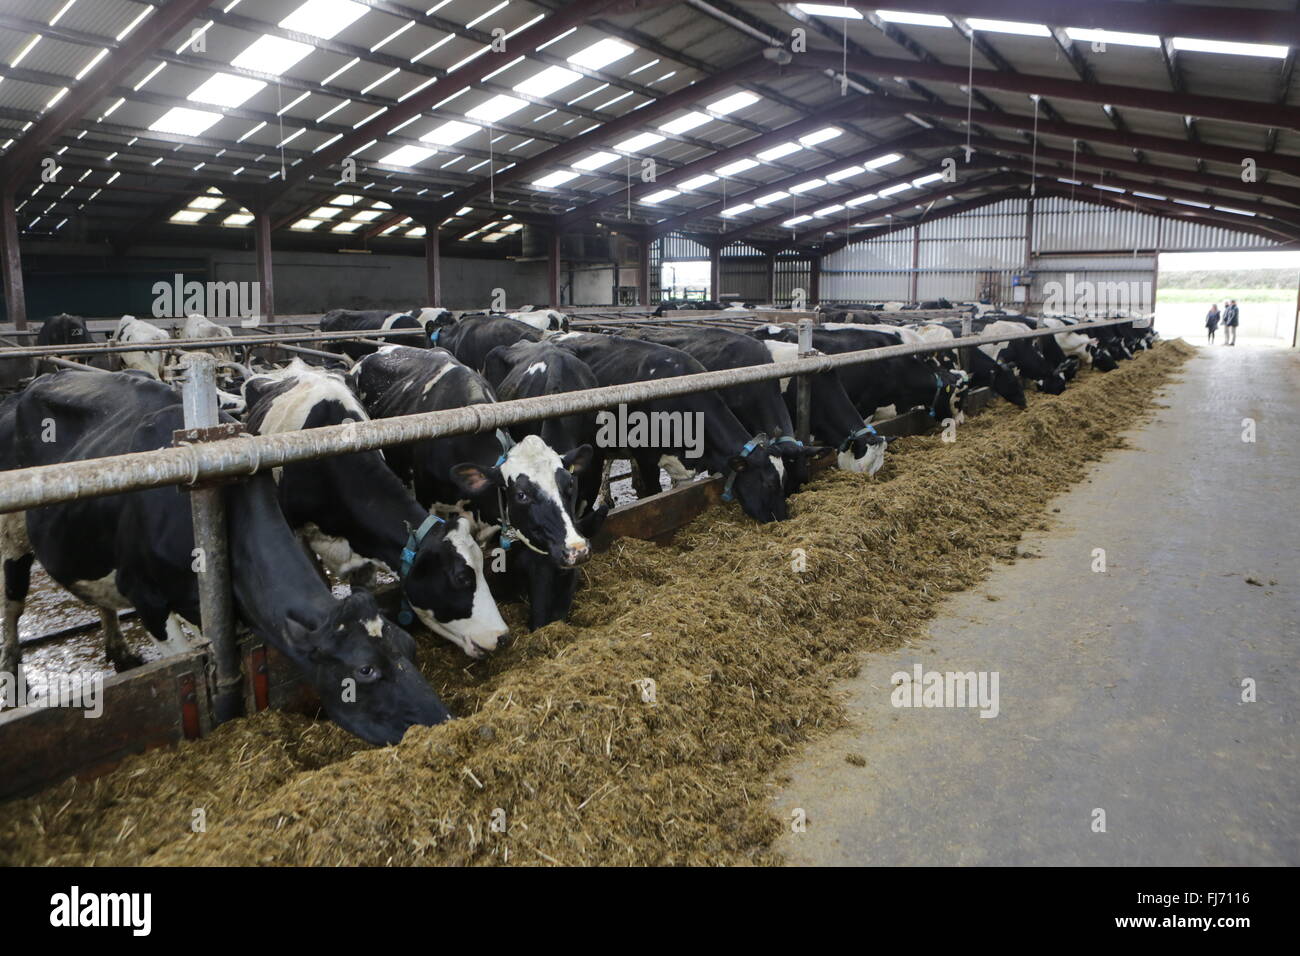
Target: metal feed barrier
208,451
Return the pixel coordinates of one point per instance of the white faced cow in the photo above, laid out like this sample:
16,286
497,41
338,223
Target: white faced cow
358,517
199,327
543,320
133,331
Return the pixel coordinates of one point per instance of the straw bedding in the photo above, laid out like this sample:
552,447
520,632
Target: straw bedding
563,753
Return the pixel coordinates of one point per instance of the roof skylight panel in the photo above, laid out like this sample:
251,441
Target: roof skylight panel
226,89
861,200
1085,35
602,53
237,219
206,202
497,108
184,121
882,161
821,136
895,189
923,180
796,221
771,198
1195,45
1008,26
449,133
324,18
805,186
777,152
828,210
639,142
188,216
685,123
737,210
739,166
595,161
697,182
483,16
270,54
548,81
660,196
730,104
914,19
346,227
558,178
826,10
845,173
407,156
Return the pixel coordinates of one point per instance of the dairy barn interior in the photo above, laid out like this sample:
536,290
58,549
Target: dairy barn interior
634,432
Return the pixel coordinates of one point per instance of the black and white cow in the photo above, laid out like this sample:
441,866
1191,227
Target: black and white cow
543,320
1022,354
728,447
133,331
526,489
984,371
357,516
529,369
64,329
474,336
902,382
833,418
759,405
1067,366
137,550
1084,348
408,328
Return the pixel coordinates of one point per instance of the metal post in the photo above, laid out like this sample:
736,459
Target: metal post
643,273
11,260
433,264
770,268
262,240
967,322
916,261
803,395
208,509
553,268
815,281
715,272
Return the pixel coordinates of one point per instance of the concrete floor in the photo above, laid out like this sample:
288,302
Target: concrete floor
1118,690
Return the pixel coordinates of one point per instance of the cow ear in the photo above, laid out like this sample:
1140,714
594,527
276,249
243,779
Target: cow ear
578,460
473,479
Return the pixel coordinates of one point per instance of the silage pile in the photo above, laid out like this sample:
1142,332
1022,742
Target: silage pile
560,758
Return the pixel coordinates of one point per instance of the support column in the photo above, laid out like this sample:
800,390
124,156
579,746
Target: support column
1029,250
11,260
262,242
916,260
770,263
815,281
553,268
643,270
715,272
433,265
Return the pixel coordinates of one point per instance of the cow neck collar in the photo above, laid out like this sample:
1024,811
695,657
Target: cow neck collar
758,441
509,533
406,616
854,436
938,392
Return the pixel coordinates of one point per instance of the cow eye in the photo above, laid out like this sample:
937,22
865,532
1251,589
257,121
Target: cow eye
367,673
521,496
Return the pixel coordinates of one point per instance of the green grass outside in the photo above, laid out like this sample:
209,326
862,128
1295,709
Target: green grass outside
1219,295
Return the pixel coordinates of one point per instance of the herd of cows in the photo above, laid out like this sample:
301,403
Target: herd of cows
461,521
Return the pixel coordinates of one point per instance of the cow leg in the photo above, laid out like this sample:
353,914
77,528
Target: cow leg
119,655
645,473
16,554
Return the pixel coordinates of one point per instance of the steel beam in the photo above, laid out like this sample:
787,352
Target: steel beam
1219,22
1232,156
11,261
433,265
1182,104
553,268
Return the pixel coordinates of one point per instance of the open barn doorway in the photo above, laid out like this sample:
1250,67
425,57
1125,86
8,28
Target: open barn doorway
686,279
1263,284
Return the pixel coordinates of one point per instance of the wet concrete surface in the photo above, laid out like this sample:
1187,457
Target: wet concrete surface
1120,691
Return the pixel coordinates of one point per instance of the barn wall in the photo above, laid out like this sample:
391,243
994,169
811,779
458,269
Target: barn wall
964,256
84,281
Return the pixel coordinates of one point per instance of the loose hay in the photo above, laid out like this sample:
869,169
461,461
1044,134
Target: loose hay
559,756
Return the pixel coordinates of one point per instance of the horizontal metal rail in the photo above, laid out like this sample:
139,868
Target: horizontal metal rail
198,345
248,454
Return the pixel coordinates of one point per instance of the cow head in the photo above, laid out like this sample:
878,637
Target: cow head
1102,360
1006,382
1052,384
791,458
434,321
950,387
363,667
754,481
445,587
536,489
862,452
